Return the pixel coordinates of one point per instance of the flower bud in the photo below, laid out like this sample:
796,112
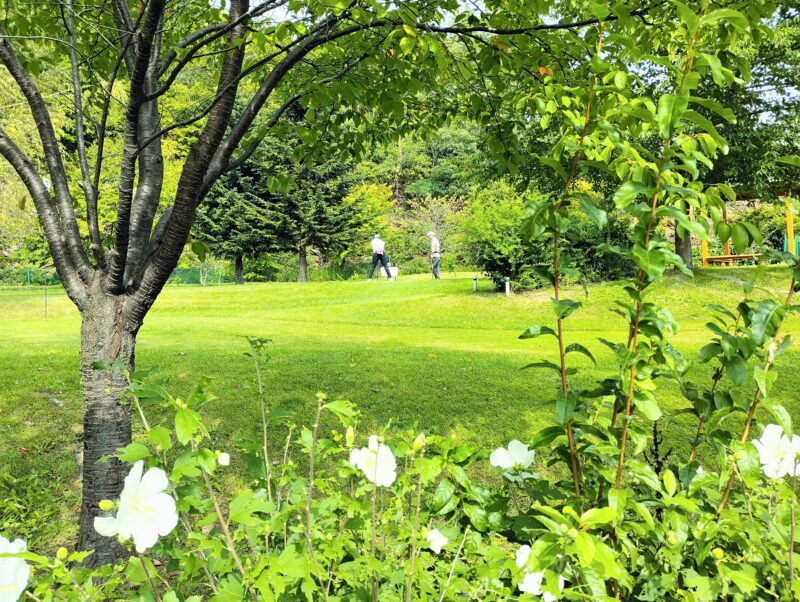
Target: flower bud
572,533
563,528
419,442
718,553
350,436
61,554
224,459
672,539
106,505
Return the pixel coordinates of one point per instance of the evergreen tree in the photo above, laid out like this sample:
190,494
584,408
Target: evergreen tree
236,220
315,211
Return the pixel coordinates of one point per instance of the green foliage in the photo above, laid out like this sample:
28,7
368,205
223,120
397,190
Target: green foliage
494,237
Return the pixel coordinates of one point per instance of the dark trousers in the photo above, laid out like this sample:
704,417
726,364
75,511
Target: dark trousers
378,258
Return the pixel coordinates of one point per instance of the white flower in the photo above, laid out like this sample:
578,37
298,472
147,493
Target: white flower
224,459
376,461
532,584
145,510
522,556
778,453
436,540
515,456
14,572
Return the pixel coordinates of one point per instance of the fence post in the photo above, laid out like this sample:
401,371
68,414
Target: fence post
474,284
508,286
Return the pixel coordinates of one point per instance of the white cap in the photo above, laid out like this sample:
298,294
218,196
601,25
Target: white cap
431,233
377,236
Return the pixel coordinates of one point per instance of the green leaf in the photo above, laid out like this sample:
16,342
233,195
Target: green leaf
584,548
782,417
578,348
246,505
742,575
133,452
537,331
722,75
736,368
597,215
564,307
793,160
740,238
628,192
670,482
546,436
723,232
200,249
727,15
647,405
443,498
187,424
670,111
762,319
595,517
477,516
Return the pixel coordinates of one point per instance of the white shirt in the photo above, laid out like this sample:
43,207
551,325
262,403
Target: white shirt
435,245
378,246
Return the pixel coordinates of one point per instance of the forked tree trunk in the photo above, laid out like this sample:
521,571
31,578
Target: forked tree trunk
239,263
107,352
302,275
683,248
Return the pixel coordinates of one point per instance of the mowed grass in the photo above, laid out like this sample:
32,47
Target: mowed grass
413,352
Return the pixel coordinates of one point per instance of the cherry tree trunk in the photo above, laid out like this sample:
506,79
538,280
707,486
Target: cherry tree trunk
106,358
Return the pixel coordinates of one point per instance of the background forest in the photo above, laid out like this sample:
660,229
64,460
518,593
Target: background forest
291,214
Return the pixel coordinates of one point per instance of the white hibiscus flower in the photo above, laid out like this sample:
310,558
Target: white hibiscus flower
14,572
436,540
515,456
777,453
376,461
532,582
146,511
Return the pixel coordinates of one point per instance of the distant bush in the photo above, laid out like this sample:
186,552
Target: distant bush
494,230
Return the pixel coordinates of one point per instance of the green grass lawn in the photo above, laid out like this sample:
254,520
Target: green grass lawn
413,352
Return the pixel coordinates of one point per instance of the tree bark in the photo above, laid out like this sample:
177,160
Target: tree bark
683,248
239,263
106,358
302,275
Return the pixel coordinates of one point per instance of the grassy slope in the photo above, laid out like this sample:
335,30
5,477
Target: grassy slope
410,351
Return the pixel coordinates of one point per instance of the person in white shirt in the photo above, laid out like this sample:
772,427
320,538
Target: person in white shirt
436,254
379,256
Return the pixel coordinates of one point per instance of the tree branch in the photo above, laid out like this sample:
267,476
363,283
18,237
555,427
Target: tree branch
48,217
89,190
180,221
55,165
133,111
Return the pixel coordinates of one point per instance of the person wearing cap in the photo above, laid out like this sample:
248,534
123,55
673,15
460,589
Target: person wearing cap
436,254
379,256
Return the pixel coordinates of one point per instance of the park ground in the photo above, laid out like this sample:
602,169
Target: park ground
416,352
